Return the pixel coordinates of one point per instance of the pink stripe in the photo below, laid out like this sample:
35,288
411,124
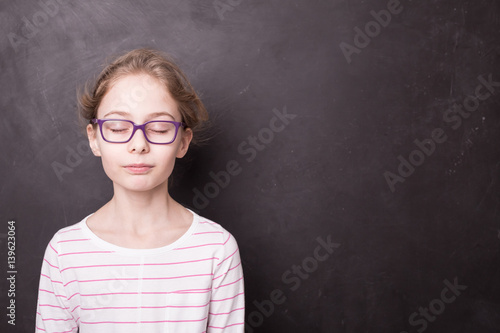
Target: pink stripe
178,277
227,239
228,257
208,232
50,264
56,319
191,247
207,222
144,322
136,265
136,279
227,271
221,328
137,293
53,248
73,240
146,307
92,266
225,313
225,285
109,322
65,231
71,330
112,308
120,293
51,292
180,262
70,282
76,307
69,298
175,321
67,254
177,306
191,291
53,306
225,299
48,277
171,292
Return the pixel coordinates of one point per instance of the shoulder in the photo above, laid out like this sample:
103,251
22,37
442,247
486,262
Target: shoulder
209,229
206,226
71,230
67,235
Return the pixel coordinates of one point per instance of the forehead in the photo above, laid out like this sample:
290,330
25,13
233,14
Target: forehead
138,95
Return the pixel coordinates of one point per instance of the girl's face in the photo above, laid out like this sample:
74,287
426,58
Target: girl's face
138,165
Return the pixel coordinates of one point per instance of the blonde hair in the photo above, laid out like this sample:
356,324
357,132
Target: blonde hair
158,66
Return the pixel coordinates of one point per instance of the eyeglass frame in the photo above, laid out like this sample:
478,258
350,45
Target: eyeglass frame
141,127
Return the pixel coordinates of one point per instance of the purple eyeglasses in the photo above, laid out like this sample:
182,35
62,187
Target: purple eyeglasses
159,132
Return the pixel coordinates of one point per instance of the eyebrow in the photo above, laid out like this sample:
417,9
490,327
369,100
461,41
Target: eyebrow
120,113
149,116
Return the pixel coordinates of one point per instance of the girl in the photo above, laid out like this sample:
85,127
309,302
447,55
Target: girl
142,262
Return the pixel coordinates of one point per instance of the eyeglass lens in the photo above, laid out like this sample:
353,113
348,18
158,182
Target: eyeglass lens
121,131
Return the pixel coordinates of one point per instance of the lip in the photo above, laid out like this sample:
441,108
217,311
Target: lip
138,169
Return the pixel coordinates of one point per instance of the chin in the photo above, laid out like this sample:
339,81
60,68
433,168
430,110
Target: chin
148,187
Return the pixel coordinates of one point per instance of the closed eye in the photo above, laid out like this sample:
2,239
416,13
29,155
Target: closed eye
118,130
159,131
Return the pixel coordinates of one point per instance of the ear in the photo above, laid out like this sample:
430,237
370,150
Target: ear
92,135
186,137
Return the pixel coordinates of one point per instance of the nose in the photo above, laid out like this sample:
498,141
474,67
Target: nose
138,143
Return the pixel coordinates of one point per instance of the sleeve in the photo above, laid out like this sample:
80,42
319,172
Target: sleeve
227,305
53,310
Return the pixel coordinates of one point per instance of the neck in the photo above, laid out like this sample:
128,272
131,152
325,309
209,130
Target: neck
141,211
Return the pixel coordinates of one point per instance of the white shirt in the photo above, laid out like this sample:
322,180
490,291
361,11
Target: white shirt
193,285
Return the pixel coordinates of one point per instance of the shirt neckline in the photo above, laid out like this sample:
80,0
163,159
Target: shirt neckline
140,252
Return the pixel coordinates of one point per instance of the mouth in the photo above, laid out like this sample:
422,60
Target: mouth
138,168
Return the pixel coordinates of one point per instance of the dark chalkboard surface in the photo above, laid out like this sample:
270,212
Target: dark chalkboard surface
355,156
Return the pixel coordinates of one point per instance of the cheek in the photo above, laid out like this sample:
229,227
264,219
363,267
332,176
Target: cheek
166,156
166,160
110,157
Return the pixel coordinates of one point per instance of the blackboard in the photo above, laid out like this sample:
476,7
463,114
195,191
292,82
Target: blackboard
360,138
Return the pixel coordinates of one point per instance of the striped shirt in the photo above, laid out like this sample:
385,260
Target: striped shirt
193,285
